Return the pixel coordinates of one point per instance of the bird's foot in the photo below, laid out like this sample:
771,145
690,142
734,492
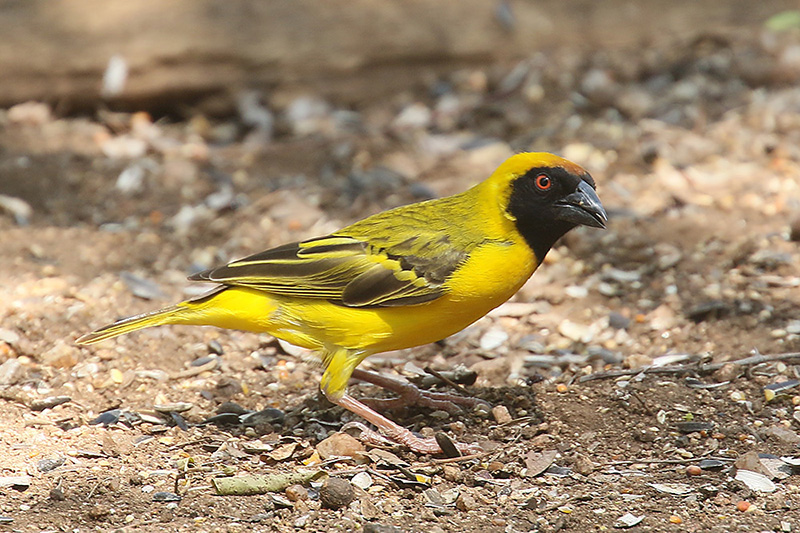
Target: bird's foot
410,394
395,434
430,446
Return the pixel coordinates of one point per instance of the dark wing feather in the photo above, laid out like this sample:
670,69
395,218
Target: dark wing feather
346,271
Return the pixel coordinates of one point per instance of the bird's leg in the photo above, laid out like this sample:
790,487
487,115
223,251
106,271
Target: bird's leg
410,394
340,365
392,431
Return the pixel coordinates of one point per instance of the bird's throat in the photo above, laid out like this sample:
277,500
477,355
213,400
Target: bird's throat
541,235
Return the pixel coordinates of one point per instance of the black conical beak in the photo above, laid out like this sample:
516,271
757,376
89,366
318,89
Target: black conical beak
582,207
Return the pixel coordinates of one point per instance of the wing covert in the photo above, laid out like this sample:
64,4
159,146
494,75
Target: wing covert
345,270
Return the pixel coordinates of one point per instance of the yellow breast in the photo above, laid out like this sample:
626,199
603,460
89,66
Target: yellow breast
492,275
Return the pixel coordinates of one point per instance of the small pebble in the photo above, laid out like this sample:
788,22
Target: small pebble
743,505
413,116
205,360
131,180
434,496
308,115
20,483
296,493
215,347
107,418
269,415
301,521
562,387
9,336
336,493
458,427
98,512
482,410
362,480
737,396
452,473
49,402
794,231
11,372
694,427
694,470
279,501
231,407
447,445
575,332
493,339
166,497
340,445
501,414
46,465
583,465
783,434
16,207
174,407
608,289
465,502
618,321
142,287
576,291
675,519
711,464
608,356
628,520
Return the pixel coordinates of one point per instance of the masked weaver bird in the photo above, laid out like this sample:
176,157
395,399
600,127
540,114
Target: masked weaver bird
401,278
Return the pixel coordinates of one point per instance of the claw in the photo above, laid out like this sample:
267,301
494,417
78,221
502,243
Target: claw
410,394
391,432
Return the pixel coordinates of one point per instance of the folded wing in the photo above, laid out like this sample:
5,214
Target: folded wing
348,271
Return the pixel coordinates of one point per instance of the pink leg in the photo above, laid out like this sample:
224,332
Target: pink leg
410,394
394,432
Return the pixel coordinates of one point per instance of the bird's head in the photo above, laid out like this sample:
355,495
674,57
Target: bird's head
546,196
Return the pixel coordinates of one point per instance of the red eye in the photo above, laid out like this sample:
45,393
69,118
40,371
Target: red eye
543,182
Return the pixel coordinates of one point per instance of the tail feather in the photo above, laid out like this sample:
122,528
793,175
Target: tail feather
168,315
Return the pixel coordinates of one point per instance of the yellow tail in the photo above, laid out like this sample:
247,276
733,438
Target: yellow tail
224,307
168,315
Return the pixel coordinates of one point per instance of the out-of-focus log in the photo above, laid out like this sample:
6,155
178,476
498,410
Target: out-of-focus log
57,50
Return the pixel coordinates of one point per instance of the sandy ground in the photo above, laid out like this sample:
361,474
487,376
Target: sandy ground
695,151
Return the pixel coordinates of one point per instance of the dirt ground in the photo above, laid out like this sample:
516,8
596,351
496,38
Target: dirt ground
696,151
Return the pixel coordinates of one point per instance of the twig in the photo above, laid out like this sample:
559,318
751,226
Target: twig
446,380
756,359
94,488
672,369
459,459
702,368
554,506
666,461
514,422
249,485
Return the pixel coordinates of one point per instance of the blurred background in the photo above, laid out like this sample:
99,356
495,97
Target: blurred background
142,141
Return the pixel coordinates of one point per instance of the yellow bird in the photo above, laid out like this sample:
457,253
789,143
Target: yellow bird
401,278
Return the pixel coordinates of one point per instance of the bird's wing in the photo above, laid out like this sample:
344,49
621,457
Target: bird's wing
348,270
